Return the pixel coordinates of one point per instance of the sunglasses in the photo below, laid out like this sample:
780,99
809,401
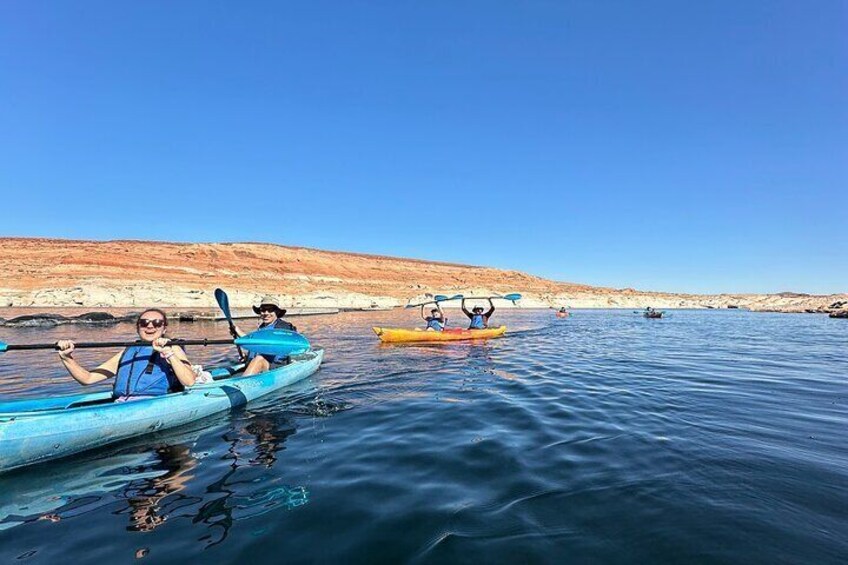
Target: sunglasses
145,323
266,309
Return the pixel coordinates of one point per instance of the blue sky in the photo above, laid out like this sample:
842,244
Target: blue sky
660,145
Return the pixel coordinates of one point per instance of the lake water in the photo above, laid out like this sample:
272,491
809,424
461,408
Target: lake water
708,437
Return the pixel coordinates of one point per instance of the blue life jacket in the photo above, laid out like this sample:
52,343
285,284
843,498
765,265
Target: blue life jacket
477,322
436,324
142,372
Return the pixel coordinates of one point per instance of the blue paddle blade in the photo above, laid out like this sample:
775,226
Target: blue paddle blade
440,298
3,346
223,302
512,297
456,297
274,342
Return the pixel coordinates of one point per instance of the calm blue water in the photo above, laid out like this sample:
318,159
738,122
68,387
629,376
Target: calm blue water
710,437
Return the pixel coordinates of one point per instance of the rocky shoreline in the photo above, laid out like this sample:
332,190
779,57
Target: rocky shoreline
41,320
47,273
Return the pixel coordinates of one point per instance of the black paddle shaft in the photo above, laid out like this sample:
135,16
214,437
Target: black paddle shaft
96,344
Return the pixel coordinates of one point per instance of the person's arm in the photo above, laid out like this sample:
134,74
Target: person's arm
238,331
83,376
422,313
177,359
442,314
491,309
465,310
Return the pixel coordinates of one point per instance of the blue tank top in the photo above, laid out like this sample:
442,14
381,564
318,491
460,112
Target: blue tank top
477,322
141,373
435,324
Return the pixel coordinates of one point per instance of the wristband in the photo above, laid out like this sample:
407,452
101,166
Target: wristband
168,355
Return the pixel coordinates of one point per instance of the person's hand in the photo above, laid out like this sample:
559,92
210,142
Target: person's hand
160,345
66,349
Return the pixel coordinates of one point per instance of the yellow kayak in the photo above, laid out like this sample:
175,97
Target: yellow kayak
401,335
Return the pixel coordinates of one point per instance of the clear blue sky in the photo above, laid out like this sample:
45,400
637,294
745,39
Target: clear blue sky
661,145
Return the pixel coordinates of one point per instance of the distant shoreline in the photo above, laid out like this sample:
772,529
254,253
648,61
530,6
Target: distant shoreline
102,275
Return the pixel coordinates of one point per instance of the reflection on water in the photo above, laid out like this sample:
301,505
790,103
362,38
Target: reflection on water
255,444
153,480
146,497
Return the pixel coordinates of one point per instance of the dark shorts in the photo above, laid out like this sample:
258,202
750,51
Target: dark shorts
277,359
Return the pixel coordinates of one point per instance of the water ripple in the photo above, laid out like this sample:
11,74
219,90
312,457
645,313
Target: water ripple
605,437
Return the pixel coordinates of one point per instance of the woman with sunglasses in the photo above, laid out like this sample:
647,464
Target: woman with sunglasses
270,316
142,371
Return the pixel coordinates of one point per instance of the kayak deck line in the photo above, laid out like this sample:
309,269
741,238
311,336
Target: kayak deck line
37,430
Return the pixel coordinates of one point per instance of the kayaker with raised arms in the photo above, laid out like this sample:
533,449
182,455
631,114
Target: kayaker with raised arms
479,320
140,371
436,321
271,316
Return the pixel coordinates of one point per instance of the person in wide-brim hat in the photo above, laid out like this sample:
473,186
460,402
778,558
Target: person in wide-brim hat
479,318
271,316
270,303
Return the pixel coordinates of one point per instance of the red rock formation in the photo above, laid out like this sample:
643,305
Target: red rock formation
51,272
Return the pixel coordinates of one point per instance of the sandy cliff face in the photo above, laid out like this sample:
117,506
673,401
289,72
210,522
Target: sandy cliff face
44,272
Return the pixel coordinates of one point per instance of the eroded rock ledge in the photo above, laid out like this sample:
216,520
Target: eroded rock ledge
133,274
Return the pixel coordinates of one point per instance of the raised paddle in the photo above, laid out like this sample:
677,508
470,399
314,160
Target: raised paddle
515,297
436,299
224,304
261,342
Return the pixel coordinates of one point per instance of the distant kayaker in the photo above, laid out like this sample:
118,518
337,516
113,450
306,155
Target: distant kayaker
270,316
563,310
479,320
140,371
436,321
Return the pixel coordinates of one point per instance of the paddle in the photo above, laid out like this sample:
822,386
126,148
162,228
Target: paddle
224,304
436,299
261,342
514,297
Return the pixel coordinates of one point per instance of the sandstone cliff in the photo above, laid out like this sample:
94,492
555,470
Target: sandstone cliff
48,272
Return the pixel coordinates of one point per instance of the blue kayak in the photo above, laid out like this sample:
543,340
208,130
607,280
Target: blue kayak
36,430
